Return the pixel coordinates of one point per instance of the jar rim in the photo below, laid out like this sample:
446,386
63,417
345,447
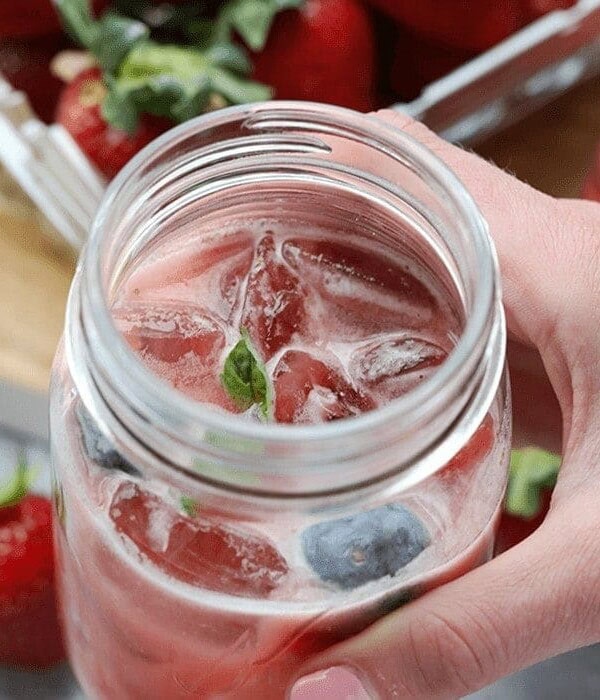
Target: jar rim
476,325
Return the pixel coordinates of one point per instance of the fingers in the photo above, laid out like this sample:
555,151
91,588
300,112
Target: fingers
539,599
549,250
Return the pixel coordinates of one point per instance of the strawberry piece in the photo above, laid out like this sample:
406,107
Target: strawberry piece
322,52
79,112
30,634
309,391
198,551
275,304
476,450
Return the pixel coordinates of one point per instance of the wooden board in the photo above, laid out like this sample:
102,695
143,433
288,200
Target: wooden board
551,150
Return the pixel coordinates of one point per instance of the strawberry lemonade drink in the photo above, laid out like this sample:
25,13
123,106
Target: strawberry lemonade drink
279,411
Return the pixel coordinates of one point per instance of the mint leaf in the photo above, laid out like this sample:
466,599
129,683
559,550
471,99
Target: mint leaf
76,16
116,36
16,488
109,38
531,471
176,82
251,19
245,378
189,506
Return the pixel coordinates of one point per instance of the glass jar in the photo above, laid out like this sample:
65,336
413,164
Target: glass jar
181,534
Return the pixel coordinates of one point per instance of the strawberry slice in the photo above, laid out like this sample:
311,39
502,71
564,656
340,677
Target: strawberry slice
30,634
198,550
308,390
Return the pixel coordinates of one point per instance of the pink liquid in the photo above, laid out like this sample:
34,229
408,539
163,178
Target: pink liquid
163,603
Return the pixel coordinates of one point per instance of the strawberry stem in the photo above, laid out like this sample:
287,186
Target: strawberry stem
16,488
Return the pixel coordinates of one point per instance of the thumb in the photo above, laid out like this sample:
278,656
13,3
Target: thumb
537,600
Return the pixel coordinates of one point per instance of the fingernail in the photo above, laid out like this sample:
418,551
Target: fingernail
338,683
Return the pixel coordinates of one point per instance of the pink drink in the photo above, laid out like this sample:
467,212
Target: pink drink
169,597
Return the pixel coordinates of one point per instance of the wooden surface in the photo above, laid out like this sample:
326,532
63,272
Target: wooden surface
551,150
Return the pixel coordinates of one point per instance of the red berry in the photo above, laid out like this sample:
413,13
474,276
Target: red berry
25,63
79,111
32,18
30,634
322,52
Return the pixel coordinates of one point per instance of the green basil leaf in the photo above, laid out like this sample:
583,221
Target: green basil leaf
245,378
76,16
115,37
532,470
251,19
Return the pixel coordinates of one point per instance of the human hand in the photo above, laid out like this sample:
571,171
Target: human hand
542,597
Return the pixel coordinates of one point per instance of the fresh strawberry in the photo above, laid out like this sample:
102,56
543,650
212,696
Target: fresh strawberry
321,50
79,111
33,18
142,86
418,61
472,25
30,634
25,63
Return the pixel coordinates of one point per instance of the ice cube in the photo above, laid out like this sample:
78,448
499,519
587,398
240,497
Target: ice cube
389,368
275,304
170,330
312,390
199,551
181,344
366,293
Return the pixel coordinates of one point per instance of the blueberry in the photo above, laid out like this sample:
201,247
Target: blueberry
364,547
99,448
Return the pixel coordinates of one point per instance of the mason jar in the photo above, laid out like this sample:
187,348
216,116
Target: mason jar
186,536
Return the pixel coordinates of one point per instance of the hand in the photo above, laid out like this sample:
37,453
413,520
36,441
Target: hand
542,597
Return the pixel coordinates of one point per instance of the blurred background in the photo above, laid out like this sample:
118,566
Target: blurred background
82,89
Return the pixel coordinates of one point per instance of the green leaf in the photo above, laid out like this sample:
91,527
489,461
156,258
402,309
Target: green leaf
237,90
16,488
177,82
189,506
116,36
109,38
245,378
231,57
532,470
77,20
251,19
